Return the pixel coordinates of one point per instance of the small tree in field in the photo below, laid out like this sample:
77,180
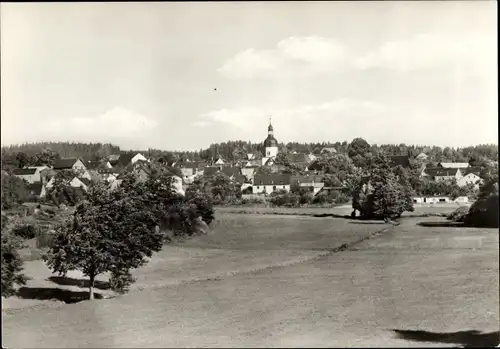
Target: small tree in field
111,231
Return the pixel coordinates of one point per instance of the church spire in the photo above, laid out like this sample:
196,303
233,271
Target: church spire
270,128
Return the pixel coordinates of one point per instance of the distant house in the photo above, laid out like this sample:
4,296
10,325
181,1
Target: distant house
72,181
453,164
69,164
300,159
270,183
443,174
431,199
30,174
400,160
327,150
315,182
192,168
107,174
471,175
127,159
249,171
219,161
422,157
97,165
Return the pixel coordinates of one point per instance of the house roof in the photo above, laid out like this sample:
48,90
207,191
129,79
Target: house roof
306,179
125,159
401,160
422,156
441,172
271,179
453,164
106,170
113,157
253,163
193,164
328,150
24,171
94,165
231,171
299,158
240,178
61,164
211,170
473,169
85,181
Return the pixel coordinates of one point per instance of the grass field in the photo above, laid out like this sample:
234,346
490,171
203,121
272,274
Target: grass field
338,210
237,243
399,289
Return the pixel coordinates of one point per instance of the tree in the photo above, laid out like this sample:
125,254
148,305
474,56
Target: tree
381,191
14,191
111,231
358,150
12,263
484,211
23,160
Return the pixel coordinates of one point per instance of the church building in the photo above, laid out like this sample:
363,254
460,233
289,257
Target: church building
270,146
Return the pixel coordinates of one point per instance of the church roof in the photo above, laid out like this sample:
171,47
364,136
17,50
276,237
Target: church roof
270,142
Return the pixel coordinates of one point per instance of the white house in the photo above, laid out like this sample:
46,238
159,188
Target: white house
422,157
443,174
470,178
314,182
266,184
219,161
74,164
30,174
74,182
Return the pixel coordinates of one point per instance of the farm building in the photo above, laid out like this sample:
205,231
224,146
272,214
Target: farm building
269,183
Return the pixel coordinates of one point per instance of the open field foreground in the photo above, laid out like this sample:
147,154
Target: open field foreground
403,286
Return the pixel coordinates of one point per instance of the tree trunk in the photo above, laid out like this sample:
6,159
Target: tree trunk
91,287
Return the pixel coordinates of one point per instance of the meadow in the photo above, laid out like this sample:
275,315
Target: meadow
406,286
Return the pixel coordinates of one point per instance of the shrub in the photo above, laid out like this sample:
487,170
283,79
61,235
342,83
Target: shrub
342,199
25,231
458,215
12,263
253,201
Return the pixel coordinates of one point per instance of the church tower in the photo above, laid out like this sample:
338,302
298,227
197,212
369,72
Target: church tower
270,144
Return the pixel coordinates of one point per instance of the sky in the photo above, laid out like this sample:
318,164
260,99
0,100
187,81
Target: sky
180,76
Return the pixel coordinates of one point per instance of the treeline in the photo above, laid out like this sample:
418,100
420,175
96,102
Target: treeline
238,150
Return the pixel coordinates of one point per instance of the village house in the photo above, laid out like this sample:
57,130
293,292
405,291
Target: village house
328,150
470,176
422,157
249,171
453,165
126,159
30,174
442,174
74,164
192,168
314,182
269,183
72,181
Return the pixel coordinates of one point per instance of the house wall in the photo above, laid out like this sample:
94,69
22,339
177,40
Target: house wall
248,172
471,178
268,189
79,165
31,178
138,157
186,172
75,183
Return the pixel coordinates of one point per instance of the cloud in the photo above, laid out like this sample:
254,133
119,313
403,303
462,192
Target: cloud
324,121
116,124
294,56
461,53
470,53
